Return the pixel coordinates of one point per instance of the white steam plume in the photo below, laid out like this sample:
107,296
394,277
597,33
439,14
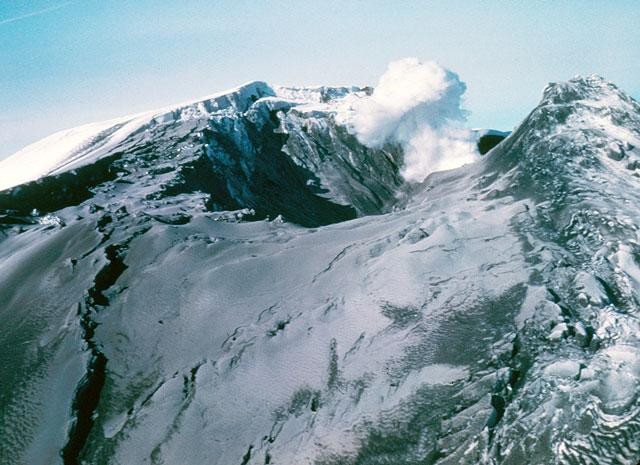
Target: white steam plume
417,105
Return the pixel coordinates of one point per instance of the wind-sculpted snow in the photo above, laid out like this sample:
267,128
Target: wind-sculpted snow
70,149
487,315
576,158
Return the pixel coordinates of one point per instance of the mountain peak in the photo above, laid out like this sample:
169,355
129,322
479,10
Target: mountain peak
592,90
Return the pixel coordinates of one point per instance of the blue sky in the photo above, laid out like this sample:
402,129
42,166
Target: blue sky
65,63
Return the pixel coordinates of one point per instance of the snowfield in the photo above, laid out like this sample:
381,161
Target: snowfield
241,280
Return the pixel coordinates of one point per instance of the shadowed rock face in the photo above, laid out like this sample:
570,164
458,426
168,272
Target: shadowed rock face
488,141
487,315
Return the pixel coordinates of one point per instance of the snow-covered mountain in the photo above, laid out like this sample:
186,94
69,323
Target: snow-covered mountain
279,152
240,280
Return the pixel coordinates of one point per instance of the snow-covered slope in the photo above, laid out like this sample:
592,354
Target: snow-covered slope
72,148
247,147
85,144
487,315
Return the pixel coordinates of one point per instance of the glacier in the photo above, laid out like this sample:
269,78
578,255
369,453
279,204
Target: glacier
239,280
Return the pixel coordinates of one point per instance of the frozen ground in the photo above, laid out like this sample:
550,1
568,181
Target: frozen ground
243,282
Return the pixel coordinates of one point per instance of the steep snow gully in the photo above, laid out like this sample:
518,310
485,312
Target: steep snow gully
240,280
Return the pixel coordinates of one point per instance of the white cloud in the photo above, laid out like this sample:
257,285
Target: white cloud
417,105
